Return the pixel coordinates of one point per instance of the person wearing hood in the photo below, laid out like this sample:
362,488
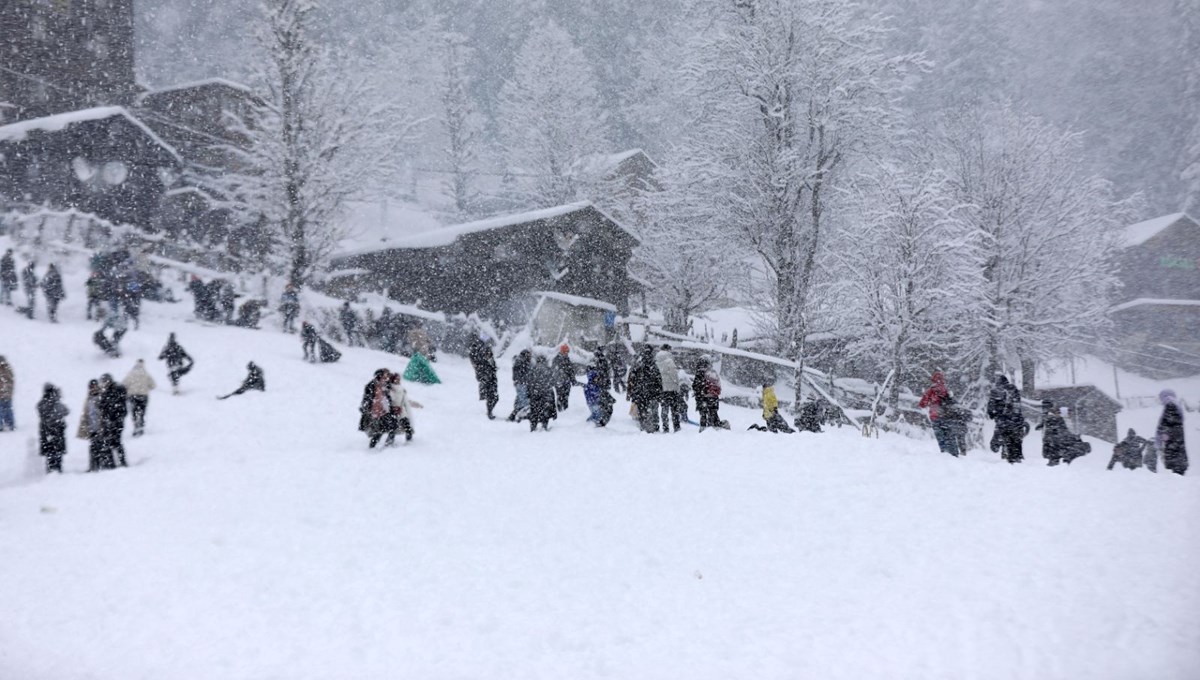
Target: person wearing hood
645,386
52,428
113,409
484,363
139,384
669,396
932,400
522,363
564,377
1169,436
7,385
1054,433
541,394
595,392
706,390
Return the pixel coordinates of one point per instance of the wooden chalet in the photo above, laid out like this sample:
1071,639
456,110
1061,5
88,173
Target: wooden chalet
102,161
1158,317
491,266
1088,411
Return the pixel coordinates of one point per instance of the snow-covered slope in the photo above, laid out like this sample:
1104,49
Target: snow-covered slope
258,538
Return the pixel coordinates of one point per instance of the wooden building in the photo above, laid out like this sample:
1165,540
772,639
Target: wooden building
102,161
491,266
67,55
1158,316
1087,410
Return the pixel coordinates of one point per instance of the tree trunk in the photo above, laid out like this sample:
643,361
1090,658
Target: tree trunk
1028,366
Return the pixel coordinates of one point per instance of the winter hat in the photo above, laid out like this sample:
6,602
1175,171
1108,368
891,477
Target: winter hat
563,348
1166,397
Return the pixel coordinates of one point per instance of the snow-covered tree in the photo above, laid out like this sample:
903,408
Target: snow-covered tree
1047,237
783,94
550,118
461,125
909,266
320,138
1189,53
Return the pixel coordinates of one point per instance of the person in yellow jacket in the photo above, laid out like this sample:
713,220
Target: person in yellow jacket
770,403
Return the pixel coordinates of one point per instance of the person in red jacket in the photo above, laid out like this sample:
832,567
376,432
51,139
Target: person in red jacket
933,400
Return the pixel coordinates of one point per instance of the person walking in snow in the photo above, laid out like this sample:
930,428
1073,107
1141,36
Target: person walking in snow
95,296
484,363
618,360
1055,435
371,406
52,288
308,341
401,419
706,389
226,298
564,377
350,325
933,400
91,428
7,387
139,384
1004,407
289,307
52,428
29,280
1169,435
8,277
254,381
595,393
541,394
113,409
178,362
522,363
669,396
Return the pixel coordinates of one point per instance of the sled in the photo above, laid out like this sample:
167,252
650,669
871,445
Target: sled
326,352
420,371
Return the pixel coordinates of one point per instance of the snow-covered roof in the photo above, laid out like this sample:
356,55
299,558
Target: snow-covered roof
1155,302
16,132
443,237
1137,234
207,82
576,301
604,163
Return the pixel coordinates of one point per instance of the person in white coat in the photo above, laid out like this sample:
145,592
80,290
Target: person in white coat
139,385
670,398
401,419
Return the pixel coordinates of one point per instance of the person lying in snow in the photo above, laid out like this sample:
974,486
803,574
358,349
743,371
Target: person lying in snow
254,381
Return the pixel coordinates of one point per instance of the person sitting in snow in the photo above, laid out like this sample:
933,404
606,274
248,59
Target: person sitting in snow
1129,451
770,404
254,381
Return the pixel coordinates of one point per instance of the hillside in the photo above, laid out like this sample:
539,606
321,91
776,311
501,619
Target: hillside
258,538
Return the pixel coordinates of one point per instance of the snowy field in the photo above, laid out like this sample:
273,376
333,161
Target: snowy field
258,538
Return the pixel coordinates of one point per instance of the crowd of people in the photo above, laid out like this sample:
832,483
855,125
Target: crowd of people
1059,443
50,284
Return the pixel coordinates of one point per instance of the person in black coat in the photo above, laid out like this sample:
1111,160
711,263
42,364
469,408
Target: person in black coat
1169,436
1055,436
30,281
370,390
564,377
254,381
113,409
617,360
645,386
8,277
52,287
1129,451
541,394
52,428
350,325
178,361
484,363
1004,407
522,364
